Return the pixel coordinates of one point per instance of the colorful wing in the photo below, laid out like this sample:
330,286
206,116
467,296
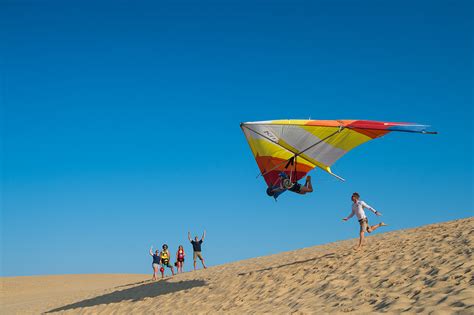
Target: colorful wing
314,142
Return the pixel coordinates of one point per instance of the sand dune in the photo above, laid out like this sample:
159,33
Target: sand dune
427,269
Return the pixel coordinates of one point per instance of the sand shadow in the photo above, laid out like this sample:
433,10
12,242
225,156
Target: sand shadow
137,293
132,284
288,264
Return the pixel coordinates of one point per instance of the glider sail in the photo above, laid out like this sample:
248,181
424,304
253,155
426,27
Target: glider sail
295,147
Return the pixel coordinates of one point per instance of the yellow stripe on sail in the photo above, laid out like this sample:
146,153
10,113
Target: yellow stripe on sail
346,140
263,147
304,156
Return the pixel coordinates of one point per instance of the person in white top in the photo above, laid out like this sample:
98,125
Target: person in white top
358,210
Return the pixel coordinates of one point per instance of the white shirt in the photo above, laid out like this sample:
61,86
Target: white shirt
358,209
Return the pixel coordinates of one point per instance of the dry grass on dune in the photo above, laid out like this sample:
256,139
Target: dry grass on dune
427,269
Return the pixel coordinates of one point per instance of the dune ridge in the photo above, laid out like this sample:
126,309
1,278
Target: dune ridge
427,269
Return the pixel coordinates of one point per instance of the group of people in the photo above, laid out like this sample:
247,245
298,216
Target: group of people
162,259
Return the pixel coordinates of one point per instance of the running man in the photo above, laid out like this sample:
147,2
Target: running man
197,248
358,209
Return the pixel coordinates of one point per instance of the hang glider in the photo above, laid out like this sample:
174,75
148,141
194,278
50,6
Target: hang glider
295,147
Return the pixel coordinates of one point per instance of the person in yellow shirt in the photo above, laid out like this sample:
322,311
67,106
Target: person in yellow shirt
165,260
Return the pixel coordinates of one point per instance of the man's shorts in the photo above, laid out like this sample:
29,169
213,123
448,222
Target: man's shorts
364,225
296,188
155,265
166,263
196,255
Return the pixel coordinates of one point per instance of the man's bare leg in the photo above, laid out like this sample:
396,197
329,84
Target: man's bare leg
194,265
374,227
307,188
308,184
361,241
203,265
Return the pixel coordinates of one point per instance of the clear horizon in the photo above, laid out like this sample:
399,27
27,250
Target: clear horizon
120,125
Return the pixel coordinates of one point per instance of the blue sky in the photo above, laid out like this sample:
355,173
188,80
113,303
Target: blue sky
120,124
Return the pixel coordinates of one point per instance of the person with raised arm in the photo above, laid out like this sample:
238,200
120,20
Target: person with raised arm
197,248
156,262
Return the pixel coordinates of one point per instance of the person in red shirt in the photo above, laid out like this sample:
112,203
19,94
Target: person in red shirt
180,258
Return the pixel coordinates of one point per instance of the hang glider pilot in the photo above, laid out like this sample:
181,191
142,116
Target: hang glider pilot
284,183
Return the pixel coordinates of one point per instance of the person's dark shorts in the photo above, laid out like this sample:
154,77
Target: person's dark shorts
296,188
166,263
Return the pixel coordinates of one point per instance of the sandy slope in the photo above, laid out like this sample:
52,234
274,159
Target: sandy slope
427,269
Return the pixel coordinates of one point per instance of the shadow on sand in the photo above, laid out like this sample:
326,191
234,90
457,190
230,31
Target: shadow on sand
288,264
150,289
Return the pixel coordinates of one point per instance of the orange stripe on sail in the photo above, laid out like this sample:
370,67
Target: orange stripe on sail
276,165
